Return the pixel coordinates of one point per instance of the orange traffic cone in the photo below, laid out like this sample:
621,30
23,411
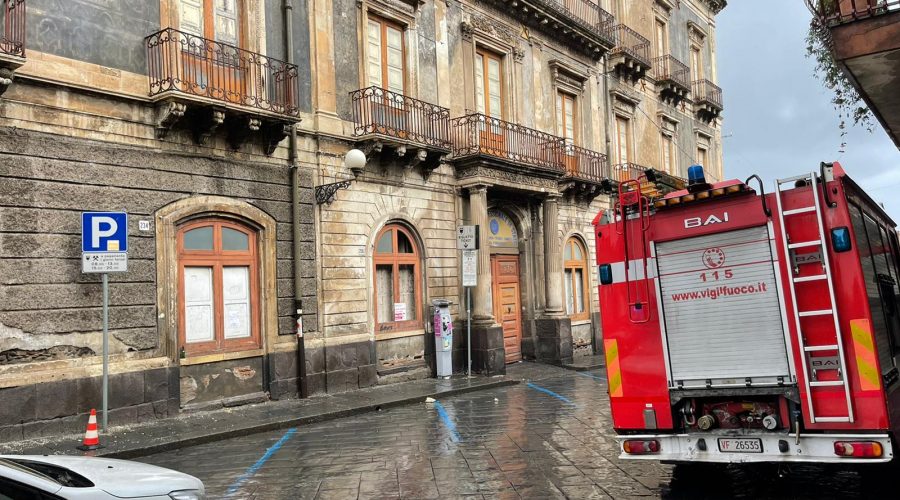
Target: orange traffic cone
91,436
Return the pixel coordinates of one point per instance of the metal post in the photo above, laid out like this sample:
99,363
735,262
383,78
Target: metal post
469,330
105,349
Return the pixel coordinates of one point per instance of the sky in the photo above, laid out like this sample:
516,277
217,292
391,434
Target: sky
778,117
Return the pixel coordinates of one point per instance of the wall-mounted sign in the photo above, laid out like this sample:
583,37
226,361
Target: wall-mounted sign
467,238
501,230
470,267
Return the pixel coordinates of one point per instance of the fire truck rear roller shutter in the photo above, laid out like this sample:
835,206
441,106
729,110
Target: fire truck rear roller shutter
722,327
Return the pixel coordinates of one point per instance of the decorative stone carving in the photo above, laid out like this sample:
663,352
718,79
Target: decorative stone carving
492,28
696,33
419,157
240,128
507,176
6,79
167,115
715,6
207,120
518,54
665,7
567,76
273,133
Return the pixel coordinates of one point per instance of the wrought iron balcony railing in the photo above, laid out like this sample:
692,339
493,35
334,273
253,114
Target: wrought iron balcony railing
708,93
631,43
12,38
844,11
588,14
669,69
377,111
479,134
580,163
622,172
189,64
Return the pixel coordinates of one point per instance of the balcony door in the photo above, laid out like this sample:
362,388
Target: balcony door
696,64
566,117
489,101
662,39
623,140
212,63
386,60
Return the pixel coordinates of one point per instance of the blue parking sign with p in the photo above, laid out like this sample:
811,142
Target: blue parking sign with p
104,232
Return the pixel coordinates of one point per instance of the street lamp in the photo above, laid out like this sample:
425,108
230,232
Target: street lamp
355,160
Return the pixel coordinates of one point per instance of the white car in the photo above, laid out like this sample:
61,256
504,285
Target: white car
43,477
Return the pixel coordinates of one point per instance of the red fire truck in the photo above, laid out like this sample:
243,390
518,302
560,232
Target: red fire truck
741,326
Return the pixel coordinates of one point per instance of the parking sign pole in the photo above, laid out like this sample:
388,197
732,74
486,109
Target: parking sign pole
105,348
469,330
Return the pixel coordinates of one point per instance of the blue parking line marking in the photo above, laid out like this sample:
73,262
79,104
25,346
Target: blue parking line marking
551,393
595,377
454,435
236,485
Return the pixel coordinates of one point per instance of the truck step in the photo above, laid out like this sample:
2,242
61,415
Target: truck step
814,348
823,312
799,210
826,383
831,419
803,244
804,279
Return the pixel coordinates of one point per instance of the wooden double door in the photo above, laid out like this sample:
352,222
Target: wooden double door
507,303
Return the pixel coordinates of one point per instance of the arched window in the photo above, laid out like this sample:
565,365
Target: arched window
398,294
575,266
218,289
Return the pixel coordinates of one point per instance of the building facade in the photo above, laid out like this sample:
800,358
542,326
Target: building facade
178,112
222,127
519,118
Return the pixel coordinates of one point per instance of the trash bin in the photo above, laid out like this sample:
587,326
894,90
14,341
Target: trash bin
443,338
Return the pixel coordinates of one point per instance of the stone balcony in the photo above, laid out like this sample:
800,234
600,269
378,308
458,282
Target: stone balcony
707,98
672,79
12,40
581,24
505,153
401,128
212,84
631,55
587,172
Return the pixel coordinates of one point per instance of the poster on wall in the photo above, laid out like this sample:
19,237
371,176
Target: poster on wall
399,311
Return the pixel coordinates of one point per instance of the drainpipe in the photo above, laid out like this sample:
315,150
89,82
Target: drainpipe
295,206
608,106
607,103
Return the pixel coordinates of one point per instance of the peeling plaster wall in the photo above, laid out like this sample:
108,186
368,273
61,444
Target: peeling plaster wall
346,54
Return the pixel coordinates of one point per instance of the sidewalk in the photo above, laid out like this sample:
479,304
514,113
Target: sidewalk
586,363
196,428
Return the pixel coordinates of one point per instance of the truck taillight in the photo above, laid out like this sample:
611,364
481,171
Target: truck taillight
640,446
858,449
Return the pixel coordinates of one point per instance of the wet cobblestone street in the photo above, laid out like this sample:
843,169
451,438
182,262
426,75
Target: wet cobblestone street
547,438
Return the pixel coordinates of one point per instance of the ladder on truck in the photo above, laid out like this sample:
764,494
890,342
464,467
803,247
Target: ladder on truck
797,282
631,197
